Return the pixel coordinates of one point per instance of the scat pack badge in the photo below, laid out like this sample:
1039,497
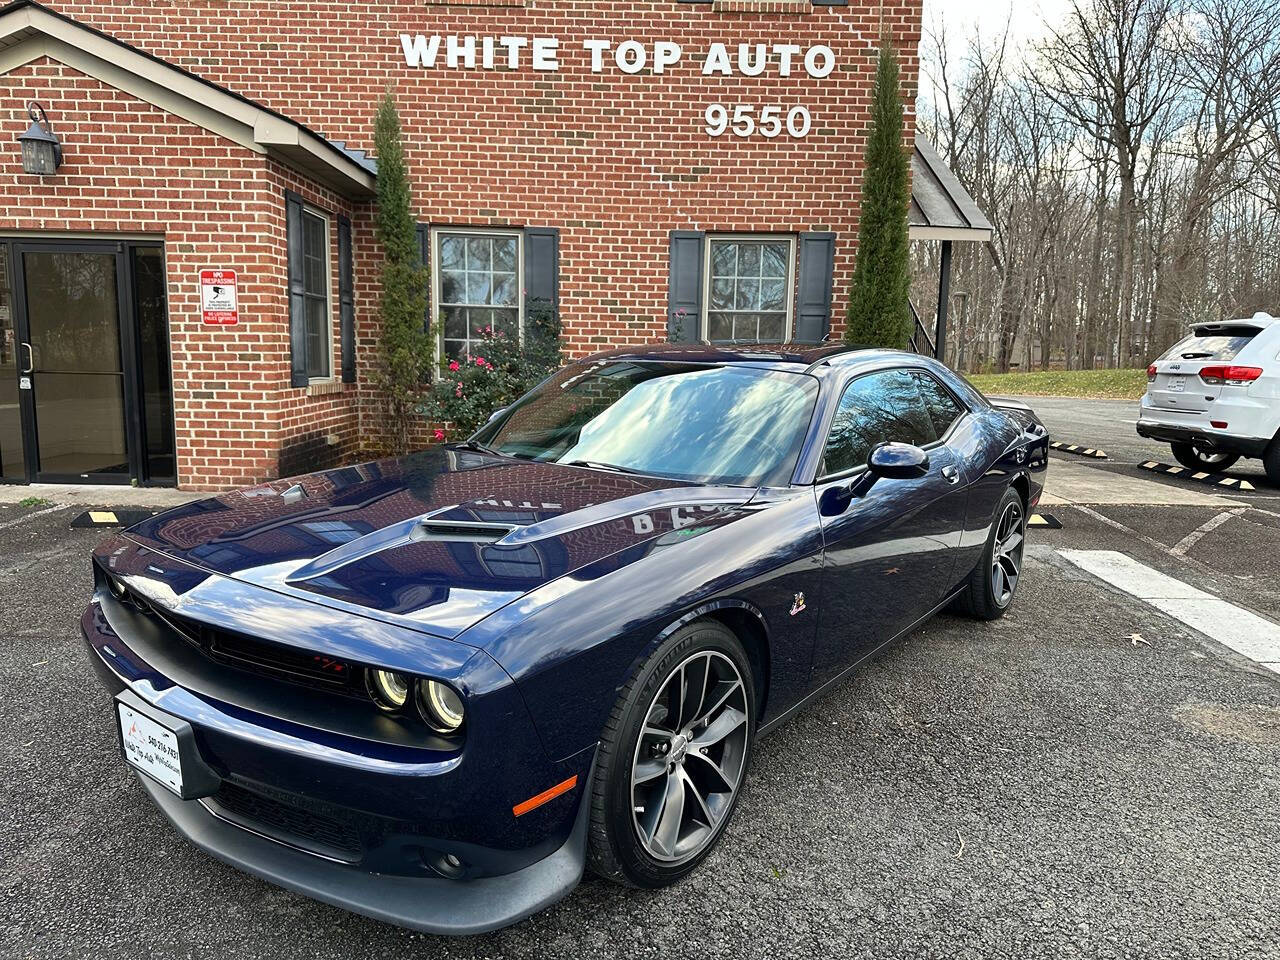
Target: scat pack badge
798,605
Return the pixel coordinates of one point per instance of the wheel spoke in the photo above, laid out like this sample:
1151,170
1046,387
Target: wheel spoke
725,690
1011,567
723,725
715,768
696,675
667,830
648,770
1011,543
708,817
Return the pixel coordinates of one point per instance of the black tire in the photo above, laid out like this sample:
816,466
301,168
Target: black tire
980,598
617,849
1191,457
1271,461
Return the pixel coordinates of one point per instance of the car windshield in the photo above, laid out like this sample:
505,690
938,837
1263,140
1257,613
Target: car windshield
707,424
1221,344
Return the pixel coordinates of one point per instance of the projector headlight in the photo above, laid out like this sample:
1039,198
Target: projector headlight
441,706
390,690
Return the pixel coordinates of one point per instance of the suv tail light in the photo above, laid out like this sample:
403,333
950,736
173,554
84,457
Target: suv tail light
1151,373
1230,375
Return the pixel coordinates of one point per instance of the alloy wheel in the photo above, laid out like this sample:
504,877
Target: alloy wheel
690,757
1006,557
1209,457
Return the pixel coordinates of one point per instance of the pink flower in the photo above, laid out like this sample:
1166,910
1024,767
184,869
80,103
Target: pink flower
459,391
454,366
439,434
480,362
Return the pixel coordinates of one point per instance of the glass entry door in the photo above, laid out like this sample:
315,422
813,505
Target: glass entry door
92,363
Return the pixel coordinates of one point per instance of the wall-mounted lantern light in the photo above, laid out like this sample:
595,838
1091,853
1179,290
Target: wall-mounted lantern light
41,151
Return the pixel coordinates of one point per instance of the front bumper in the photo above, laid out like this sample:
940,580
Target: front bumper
431,904
358,824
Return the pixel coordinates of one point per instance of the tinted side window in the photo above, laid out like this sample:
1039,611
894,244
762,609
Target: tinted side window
942,407
878,408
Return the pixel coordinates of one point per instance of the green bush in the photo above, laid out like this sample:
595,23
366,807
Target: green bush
501,370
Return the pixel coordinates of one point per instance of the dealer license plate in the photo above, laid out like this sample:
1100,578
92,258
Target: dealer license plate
1177,384
151,748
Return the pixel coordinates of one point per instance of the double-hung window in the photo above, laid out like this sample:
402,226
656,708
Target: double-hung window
315,291
749,280
478,283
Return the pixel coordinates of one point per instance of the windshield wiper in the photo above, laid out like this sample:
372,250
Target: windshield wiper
595,464
477,447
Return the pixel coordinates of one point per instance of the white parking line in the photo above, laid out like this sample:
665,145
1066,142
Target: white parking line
25,517
1243,631
1183,546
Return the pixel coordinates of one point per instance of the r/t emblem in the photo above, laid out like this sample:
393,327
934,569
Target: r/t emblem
798,606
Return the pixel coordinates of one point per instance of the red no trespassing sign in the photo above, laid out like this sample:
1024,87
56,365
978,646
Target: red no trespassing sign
219,298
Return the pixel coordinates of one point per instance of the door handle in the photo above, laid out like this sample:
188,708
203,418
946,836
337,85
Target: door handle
951,474
31,359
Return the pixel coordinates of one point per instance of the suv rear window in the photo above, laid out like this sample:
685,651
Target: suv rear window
1219,343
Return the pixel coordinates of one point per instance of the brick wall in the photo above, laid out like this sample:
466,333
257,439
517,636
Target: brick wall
615,161
130,168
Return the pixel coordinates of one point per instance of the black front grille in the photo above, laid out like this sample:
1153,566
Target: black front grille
317,832
258,656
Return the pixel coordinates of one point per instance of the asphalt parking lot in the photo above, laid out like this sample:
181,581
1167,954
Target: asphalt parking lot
1088,777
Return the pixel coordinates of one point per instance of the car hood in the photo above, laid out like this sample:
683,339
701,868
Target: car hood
437,540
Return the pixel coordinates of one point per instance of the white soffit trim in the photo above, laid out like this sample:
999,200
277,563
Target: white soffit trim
29,33
958,234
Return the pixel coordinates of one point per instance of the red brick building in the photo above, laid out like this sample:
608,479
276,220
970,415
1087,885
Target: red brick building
191,297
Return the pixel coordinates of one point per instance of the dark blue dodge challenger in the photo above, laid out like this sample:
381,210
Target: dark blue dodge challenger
435,689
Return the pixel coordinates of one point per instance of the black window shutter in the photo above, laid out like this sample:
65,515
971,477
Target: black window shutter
346,301
684,286
813,298
424,251
297,302
542,265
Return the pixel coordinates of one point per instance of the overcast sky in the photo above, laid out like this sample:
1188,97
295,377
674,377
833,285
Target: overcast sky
1026,18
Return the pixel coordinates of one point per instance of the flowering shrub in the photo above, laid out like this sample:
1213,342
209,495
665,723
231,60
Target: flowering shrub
466,393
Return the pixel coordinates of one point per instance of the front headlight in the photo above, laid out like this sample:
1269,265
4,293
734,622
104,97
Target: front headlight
390,690
441,706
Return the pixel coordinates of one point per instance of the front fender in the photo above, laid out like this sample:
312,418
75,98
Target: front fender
572,644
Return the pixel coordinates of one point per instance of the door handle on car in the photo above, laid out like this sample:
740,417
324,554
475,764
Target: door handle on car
951,474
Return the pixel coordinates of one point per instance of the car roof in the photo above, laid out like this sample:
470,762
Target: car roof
780,356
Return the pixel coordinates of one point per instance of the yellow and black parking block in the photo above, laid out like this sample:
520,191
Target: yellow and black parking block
1078,450
1198,476
110,518
1045,521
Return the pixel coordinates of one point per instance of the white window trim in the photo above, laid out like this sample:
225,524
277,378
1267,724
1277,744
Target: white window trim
328,289
704,323
437,307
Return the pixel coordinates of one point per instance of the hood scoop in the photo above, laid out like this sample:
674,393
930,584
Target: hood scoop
460,531
425,529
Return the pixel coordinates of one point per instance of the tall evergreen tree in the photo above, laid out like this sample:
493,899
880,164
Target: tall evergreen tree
879,304
405,353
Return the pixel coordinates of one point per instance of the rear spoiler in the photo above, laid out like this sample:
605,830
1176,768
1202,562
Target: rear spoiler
1019,410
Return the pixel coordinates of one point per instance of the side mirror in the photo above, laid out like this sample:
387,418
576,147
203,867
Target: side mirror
888,461
898,461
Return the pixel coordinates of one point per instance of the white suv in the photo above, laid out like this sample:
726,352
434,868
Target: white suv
1215,397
